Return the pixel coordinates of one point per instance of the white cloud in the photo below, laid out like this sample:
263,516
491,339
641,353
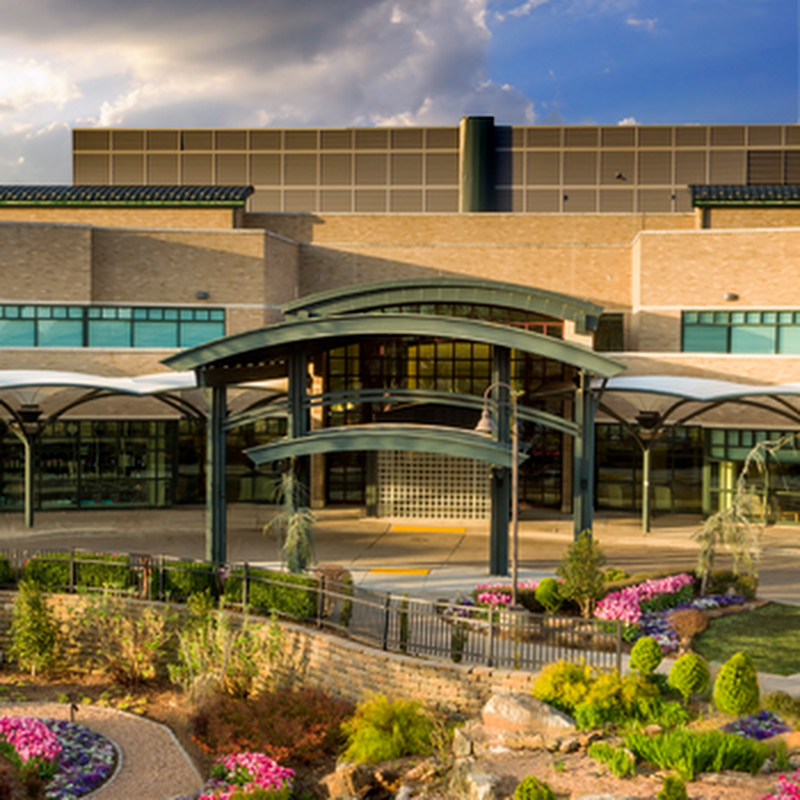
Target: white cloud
644,24
628,121
25,83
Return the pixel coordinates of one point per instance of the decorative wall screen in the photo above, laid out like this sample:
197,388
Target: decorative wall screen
432,486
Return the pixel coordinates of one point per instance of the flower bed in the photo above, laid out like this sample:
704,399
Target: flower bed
73,759
762,725
245,774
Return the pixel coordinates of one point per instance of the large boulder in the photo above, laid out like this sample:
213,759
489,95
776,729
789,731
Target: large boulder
519,712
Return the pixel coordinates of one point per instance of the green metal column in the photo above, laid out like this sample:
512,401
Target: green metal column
501,476
583,456
298,414
477,164
27,446
216,545
646,514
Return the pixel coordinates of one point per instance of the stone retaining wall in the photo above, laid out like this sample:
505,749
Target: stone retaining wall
346,669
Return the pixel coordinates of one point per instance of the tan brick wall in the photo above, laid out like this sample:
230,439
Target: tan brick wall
695,269
753,217
192,218
143,266
49,263
324,229
742,368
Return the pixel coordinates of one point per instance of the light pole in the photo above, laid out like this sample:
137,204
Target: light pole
487,425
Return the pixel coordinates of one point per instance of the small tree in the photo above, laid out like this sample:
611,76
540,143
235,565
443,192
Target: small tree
294,525
732,527
34,631
582,572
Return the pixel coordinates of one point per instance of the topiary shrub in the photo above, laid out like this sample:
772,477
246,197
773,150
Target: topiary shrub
563,684
673,788
531,788
548,595
736,689
689,675
646,655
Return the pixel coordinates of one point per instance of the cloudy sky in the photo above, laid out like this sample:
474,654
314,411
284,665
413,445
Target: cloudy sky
282,63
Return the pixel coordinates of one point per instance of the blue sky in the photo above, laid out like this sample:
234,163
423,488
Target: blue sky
287,63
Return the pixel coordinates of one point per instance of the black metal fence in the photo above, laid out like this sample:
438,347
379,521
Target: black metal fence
500,637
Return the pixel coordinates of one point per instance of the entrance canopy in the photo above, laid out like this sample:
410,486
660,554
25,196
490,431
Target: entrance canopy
434,310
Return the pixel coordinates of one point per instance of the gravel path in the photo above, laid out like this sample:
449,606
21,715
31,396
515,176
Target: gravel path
154,765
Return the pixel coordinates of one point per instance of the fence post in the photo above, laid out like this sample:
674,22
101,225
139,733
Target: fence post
321,599
161,592
386,606
245,588
72,569
619,646
490,639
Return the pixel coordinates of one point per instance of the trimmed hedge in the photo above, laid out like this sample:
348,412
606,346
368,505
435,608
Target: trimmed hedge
284,593
92,571
182,579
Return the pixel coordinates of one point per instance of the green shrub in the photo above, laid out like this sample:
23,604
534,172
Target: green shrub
620,761
563,684
92,571
129,642
687,752
182,579
531,788
689,675
736,690
548,595
646,655
581,571
6,571
673,788
34,632
383,729
293,595
215,655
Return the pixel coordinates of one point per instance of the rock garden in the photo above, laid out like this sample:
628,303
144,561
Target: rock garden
673,724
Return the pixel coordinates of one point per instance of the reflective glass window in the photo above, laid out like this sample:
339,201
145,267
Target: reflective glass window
59,333
155,334
17,333
195,333
109,333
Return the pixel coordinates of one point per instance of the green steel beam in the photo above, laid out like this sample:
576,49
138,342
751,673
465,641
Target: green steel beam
216,534
419,438
246,350
501,476
384,294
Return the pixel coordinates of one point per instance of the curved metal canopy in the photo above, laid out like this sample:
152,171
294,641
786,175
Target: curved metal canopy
383,294
141,385
696,389
254,350
421,438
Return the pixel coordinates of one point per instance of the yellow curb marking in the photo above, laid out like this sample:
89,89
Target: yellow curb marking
399,571
426,529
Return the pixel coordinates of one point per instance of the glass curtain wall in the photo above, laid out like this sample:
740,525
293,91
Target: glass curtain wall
445,366
774,491
676,478
132,464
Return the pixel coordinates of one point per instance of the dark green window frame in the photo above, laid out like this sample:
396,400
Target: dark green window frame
744,332
52,326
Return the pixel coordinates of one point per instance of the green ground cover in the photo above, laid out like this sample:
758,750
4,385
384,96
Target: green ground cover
770,635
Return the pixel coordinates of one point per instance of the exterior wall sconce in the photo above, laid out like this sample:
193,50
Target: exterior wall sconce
730,296
201,295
